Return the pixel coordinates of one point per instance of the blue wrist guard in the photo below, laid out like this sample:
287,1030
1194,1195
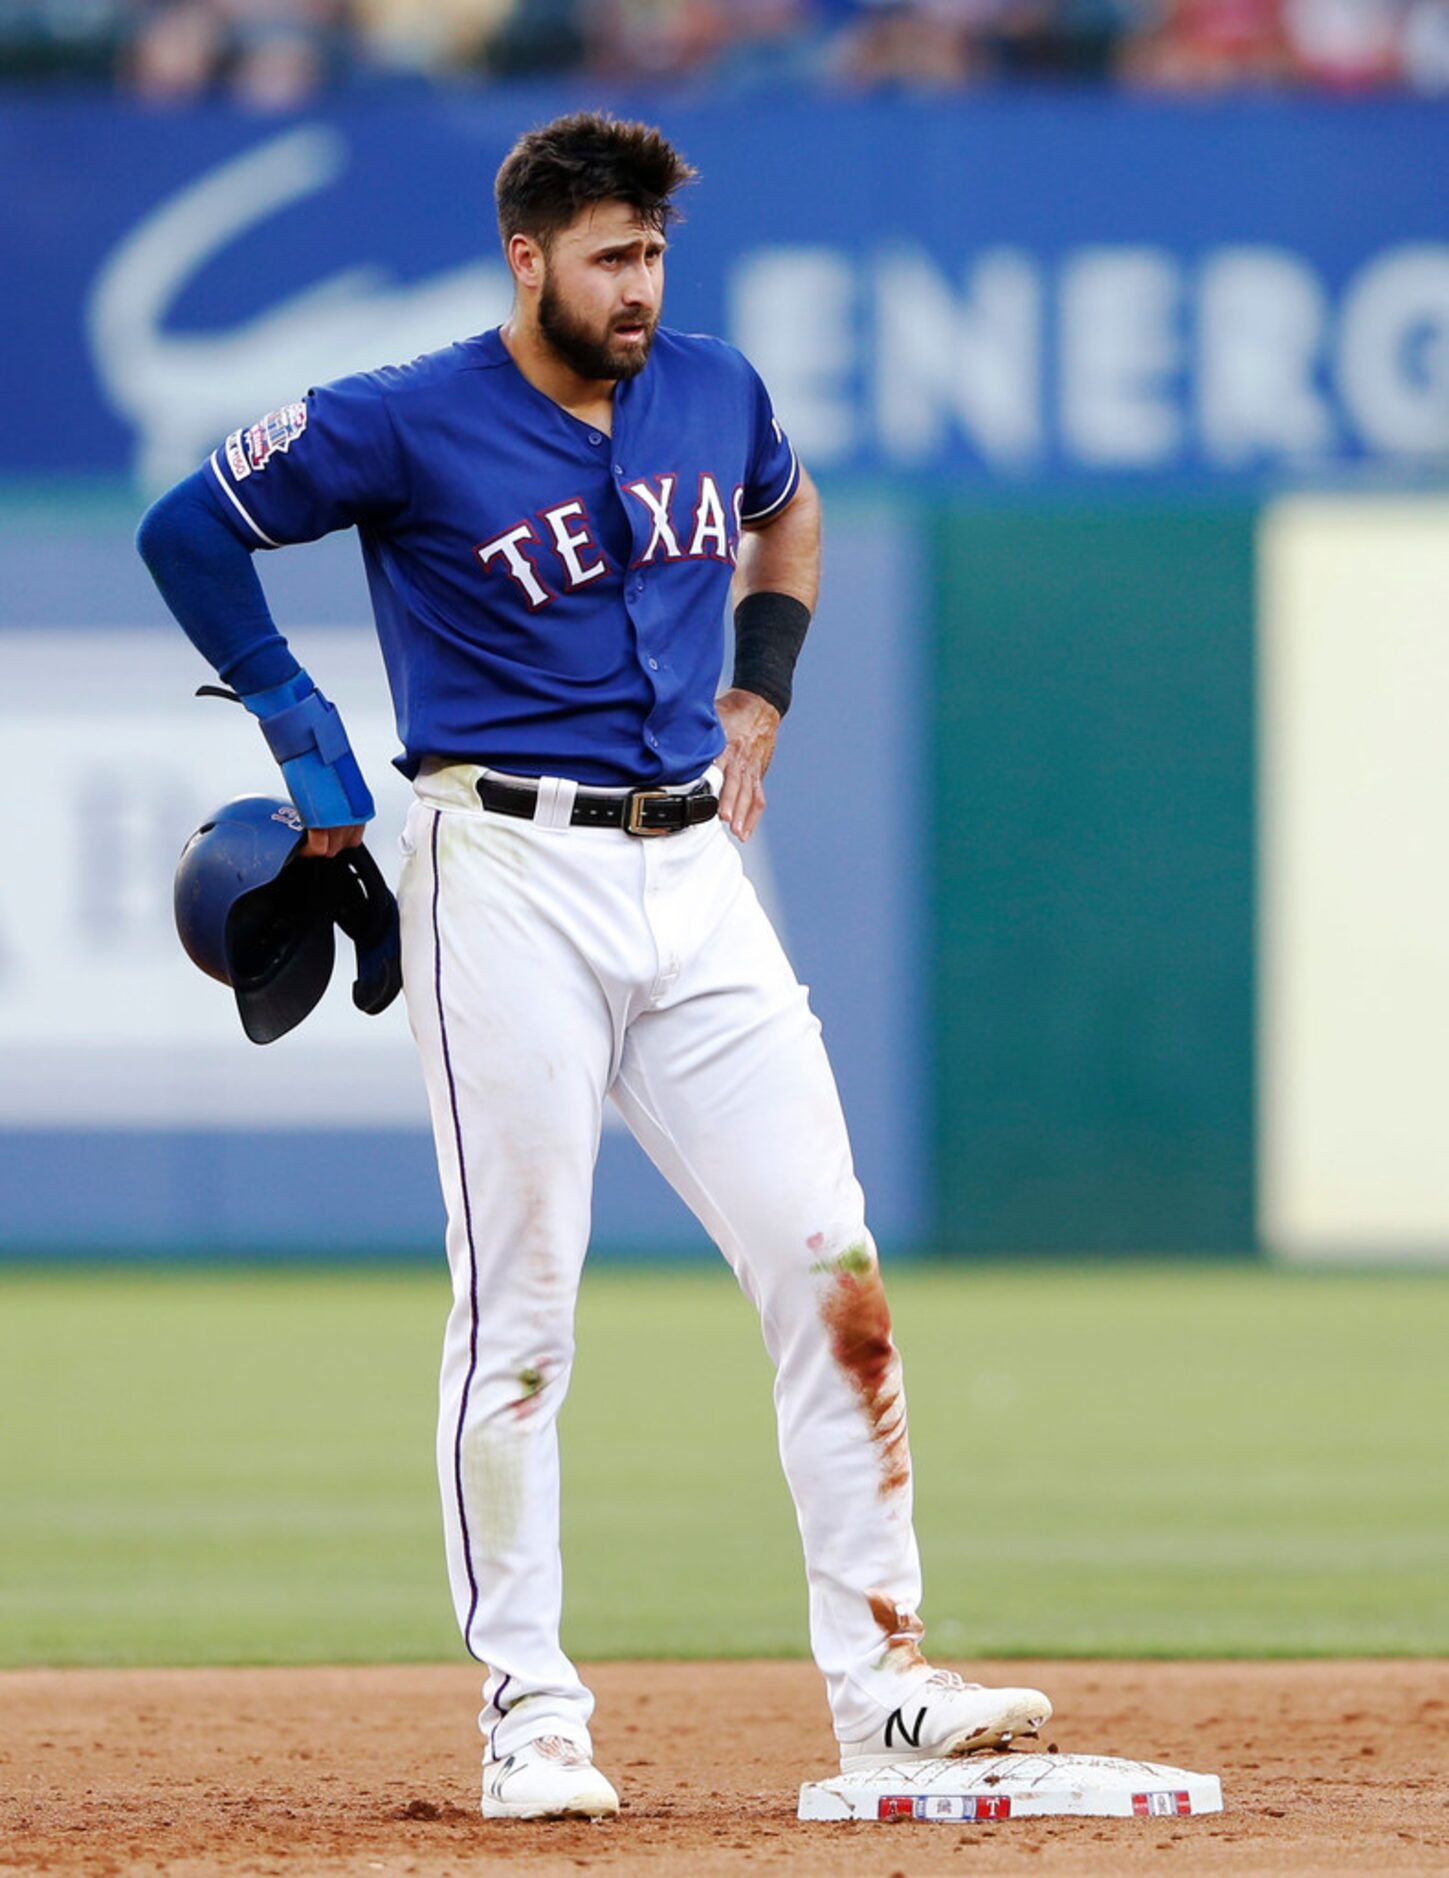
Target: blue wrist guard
304,733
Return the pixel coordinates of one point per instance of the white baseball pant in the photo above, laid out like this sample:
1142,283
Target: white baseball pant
548,968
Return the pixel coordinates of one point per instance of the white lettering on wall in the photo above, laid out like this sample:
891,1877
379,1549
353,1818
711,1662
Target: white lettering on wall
971,358
1119,359
1262,325
1120,355
791,314
1393,355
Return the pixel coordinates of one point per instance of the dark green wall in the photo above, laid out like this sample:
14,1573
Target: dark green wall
1093,881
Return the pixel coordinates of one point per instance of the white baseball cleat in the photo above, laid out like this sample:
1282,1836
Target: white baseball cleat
551,1777
944,1717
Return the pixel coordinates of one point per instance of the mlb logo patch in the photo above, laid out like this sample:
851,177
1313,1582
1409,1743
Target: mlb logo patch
272,435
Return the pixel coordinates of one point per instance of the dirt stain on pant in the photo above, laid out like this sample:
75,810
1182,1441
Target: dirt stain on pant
903,1631
855,1312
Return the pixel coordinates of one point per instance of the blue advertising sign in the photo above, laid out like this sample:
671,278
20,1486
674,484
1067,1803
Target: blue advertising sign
1011,289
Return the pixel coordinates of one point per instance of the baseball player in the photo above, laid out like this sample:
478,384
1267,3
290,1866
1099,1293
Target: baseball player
552,515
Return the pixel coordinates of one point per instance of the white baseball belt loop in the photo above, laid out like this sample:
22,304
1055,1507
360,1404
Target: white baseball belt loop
554,805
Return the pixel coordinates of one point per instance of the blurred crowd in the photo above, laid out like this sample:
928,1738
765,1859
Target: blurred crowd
277,53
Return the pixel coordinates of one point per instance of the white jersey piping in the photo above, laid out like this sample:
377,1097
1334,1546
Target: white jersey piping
791,483
232,497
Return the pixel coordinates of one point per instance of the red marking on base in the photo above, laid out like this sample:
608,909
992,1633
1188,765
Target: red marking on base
896,1806
993,1806
1161,1805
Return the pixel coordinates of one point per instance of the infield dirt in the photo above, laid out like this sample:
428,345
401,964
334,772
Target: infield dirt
1327,1767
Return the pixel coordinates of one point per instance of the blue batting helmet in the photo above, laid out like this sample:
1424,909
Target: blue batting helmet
256,914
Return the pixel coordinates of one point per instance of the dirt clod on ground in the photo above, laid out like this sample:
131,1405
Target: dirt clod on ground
1326,1767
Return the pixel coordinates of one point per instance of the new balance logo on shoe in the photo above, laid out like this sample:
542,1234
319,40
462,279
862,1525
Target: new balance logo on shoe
897,1726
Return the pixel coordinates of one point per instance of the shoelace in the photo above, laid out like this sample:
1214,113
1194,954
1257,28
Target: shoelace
559,1748
948,1680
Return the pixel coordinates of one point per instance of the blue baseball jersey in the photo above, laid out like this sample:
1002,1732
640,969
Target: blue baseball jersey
549,598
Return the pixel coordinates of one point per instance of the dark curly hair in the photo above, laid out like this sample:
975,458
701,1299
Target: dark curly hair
553,172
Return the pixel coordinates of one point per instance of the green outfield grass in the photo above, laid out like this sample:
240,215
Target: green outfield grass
1119,1460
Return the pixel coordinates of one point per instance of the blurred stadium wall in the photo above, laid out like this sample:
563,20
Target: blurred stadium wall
1109,827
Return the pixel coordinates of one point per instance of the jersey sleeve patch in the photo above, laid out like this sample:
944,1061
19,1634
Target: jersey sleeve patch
270,436
236,457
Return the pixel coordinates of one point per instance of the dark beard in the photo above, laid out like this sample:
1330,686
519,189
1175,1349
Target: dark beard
591,358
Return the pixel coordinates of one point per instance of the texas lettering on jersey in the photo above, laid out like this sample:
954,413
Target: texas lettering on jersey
569,551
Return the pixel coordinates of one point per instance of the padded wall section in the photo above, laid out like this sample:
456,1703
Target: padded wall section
1093,842
1354,1032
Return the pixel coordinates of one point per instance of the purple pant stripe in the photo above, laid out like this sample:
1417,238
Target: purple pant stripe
472,1254
498,1705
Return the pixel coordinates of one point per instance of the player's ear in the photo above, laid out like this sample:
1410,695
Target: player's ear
525,257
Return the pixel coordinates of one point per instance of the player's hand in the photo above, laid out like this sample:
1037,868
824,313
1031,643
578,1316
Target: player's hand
321,843
750,727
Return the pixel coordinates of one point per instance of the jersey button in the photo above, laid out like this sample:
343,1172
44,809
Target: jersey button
618,469
654,665
594,437
651,740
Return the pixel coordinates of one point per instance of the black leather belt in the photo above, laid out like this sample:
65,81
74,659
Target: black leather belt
636,811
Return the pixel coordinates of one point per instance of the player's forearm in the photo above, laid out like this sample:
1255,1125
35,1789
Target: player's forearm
206,576
774,589
783,554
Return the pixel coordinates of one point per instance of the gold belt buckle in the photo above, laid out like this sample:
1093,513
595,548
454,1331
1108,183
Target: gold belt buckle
634,824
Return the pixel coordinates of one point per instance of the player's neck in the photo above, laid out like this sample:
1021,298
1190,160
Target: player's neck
589,399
